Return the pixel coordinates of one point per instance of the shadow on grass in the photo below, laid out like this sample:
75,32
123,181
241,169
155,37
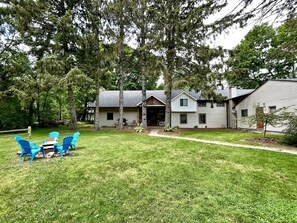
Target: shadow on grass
79,148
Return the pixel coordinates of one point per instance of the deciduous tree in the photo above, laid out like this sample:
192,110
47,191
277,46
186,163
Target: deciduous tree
266,53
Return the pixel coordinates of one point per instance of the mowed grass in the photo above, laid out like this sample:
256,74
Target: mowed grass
233,136
128,177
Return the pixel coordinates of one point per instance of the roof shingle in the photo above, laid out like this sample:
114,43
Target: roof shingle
110,99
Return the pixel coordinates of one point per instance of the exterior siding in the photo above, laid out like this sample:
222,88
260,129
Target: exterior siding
231,113
192,120
216,117
272,93
175,104
129,113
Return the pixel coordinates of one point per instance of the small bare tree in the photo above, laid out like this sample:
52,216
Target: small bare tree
278,117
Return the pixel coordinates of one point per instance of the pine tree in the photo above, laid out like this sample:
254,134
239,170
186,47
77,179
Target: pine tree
180,32
119,23
52,27
94,53
141,21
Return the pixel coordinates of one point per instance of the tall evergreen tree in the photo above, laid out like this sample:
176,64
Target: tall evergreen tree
119,21
52,27
94,53
262,9
180,32
142,21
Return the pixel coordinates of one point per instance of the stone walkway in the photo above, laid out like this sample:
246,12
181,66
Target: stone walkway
155,133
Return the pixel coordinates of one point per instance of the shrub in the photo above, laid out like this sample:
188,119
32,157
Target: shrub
290,137
168,129
138,129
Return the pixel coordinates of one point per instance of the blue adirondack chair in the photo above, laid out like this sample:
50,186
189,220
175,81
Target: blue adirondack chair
74,141
29,151
54,135
65,147
32,144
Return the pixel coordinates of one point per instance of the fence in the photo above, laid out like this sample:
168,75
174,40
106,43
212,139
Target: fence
29,129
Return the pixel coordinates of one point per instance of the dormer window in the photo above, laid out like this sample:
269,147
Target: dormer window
183,102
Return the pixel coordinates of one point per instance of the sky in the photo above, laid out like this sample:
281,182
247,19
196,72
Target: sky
231,38
234,35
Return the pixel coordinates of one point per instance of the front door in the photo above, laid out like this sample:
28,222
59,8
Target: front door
155,115
259,117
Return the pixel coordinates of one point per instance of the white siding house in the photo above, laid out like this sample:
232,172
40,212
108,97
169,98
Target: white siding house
184,111
215,115
108,117
272,95
184,102
189,109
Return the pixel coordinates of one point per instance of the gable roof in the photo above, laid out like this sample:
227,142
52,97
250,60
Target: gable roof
289,80
150,96
110,99
294,81
184,92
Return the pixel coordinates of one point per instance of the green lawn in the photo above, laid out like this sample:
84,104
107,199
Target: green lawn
128,177
231,136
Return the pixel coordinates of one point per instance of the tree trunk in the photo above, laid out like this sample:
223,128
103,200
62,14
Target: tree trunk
97,122
143,70
168,90
168,80
31,111
38,113
170,57
143,118
84,117
121,99
60,108
121,55
265,127
44,106
72,107
60,112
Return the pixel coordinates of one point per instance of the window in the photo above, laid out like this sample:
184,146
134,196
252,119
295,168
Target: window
244,113
202,118
202,104
183,102
183,119
109,116
272,109
220,104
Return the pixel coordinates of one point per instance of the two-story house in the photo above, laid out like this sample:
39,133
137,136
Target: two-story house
189,108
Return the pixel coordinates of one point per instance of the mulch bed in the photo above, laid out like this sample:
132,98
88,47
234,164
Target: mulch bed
272,141
191,130
130,130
